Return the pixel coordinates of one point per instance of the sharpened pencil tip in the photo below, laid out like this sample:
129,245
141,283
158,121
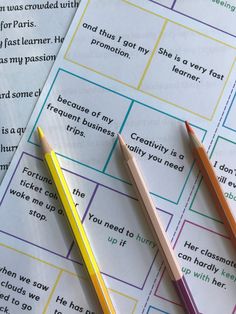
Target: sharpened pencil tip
40,132
123,147
121,141
188,127
46,148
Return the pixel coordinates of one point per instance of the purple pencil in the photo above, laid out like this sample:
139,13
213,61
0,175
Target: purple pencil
159,233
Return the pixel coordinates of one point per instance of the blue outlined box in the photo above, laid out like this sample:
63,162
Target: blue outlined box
87,152
86,116
155,310
158,152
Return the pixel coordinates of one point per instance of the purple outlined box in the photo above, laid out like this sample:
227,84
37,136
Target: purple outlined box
200,11
59,245
176,7
129,216
107,266
206,249
91,199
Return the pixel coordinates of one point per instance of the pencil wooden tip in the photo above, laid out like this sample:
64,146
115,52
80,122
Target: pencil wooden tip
40,133
120,138
46,148
124,149
188,127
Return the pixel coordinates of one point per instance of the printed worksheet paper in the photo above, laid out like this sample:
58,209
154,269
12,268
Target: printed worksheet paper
138,68
31,33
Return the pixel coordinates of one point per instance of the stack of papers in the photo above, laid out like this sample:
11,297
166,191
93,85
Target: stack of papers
139,68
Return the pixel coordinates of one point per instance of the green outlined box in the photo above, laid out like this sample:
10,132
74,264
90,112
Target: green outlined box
223,158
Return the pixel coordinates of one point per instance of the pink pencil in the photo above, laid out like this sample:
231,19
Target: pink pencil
159,233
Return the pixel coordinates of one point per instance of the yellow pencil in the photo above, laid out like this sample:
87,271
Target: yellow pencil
76,225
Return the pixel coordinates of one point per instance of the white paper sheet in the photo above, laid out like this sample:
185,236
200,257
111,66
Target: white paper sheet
31,34
140,69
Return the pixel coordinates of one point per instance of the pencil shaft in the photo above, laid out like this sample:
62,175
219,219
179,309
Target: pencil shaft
216,191
213,184
153,220
161,238
76,226
159,232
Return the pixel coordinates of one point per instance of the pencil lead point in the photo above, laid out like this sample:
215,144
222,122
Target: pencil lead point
124,148
188,127
43,141
121,141
40,132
